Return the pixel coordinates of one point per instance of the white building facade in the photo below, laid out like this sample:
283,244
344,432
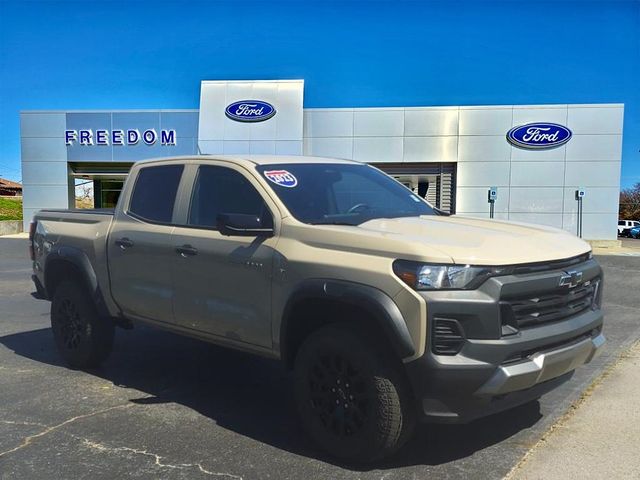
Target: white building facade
450,154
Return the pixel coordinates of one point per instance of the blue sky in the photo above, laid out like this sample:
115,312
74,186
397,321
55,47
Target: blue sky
136,54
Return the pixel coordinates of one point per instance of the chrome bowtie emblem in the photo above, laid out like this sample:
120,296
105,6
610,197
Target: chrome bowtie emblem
571,279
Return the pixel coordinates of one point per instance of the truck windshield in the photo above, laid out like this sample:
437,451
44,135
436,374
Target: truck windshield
341,194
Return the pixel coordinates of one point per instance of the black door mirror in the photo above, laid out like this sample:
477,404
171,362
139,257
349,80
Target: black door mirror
239,224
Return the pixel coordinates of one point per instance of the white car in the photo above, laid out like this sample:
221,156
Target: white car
625,225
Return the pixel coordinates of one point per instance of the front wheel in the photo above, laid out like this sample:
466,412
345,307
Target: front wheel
83,338
351,395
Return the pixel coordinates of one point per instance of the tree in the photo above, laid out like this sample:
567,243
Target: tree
84,195
630,203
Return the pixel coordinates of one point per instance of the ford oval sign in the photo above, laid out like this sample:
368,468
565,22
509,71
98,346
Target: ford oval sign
250,111
539,136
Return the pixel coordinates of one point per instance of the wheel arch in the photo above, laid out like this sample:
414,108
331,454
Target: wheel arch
72,263
319,302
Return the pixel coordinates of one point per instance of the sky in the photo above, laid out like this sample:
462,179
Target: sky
150,55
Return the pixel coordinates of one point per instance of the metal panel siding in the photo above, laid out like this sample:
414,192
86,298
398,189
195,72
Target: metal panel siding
288,147
377,149
136,120
43,149
42,124
597,200
93,153
262,147
330,123
483,149
184,123
88,120
536,200
594,148
430,122
592,174
284,126
549,219
473,200
338,147
45,196
537,174
594,225
595,120
378,123
430,149
535,186
44,173
552,155
524,115
485,121
483,174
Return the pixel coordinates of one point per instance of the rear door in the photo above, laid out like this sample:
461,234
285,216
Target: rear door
140,247
223,283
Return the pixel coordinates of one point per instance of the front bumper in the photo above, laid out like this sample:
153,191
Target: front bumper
496,369
542,366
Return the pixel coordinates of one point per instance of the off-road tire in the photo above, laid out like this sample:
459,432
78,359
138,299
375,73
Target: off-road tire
84,339
351,395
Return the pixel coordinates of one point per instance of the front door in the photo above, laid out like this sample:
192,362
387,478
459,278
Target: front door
223,283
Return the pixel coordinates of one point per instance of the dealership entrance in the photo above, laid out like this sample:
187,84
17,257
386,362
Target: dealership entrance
435,182
107,181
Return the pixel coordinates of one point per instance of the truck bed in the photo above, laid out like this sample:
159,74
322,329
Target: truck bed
84,230
83,211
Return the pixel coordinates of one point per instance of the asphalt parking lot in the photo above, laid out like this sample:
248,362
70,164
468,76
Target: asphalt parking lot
164,406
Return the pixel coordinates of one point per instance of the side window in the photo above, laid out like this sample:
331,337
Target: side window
154,193
621,223
223,190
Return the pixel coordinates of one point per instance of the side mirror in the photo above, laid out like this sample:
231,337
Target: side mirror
242,225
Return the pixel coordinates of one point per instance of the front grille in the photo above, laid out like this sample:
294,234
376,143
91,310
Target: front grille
535,309
448,336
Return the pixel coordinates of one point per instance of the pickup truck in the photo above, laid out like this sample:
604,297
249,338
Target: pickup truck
386,310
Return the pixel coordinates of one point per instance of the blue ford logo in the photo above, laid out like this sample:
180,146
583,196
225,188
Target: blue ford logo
250,111
539,136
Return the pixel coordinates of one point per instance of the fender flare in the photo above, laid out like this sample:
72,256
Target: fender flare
382,308
79,259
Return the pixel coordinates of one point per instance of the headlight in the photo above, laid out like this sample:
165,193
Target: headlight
423,276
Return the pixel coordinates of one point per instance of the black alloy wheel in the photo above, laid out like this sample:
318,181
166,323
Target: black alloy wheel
352,397
84,339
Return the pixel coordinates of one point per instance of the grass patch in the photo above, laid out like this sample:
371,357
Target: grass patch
10,208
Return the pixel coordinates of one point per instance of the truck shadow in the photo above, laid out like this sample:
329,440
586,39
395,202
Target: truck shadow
252,396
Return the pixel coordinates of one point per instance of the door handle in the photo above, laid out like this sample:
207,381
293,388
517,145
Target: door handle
124,243
186,251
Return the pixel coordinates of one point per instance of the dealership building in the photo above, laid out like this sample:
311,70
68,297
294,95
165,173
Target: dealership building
542,163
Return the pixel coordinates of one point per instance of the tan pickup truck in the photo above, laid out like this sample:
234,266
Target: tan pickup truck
386,310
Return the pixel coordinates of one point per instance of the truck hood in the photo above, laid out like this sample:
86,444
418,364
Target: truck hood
482,242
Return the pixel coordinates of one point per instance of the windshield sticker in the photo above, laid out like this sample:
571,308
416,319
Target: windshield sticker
281,177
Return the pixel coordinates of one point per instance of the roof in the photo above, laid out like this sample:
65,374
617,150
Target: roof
257,159
4,183
271,159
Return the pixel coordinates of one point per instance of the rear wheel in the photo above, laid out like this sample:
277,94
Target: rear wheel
83,338
352,397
